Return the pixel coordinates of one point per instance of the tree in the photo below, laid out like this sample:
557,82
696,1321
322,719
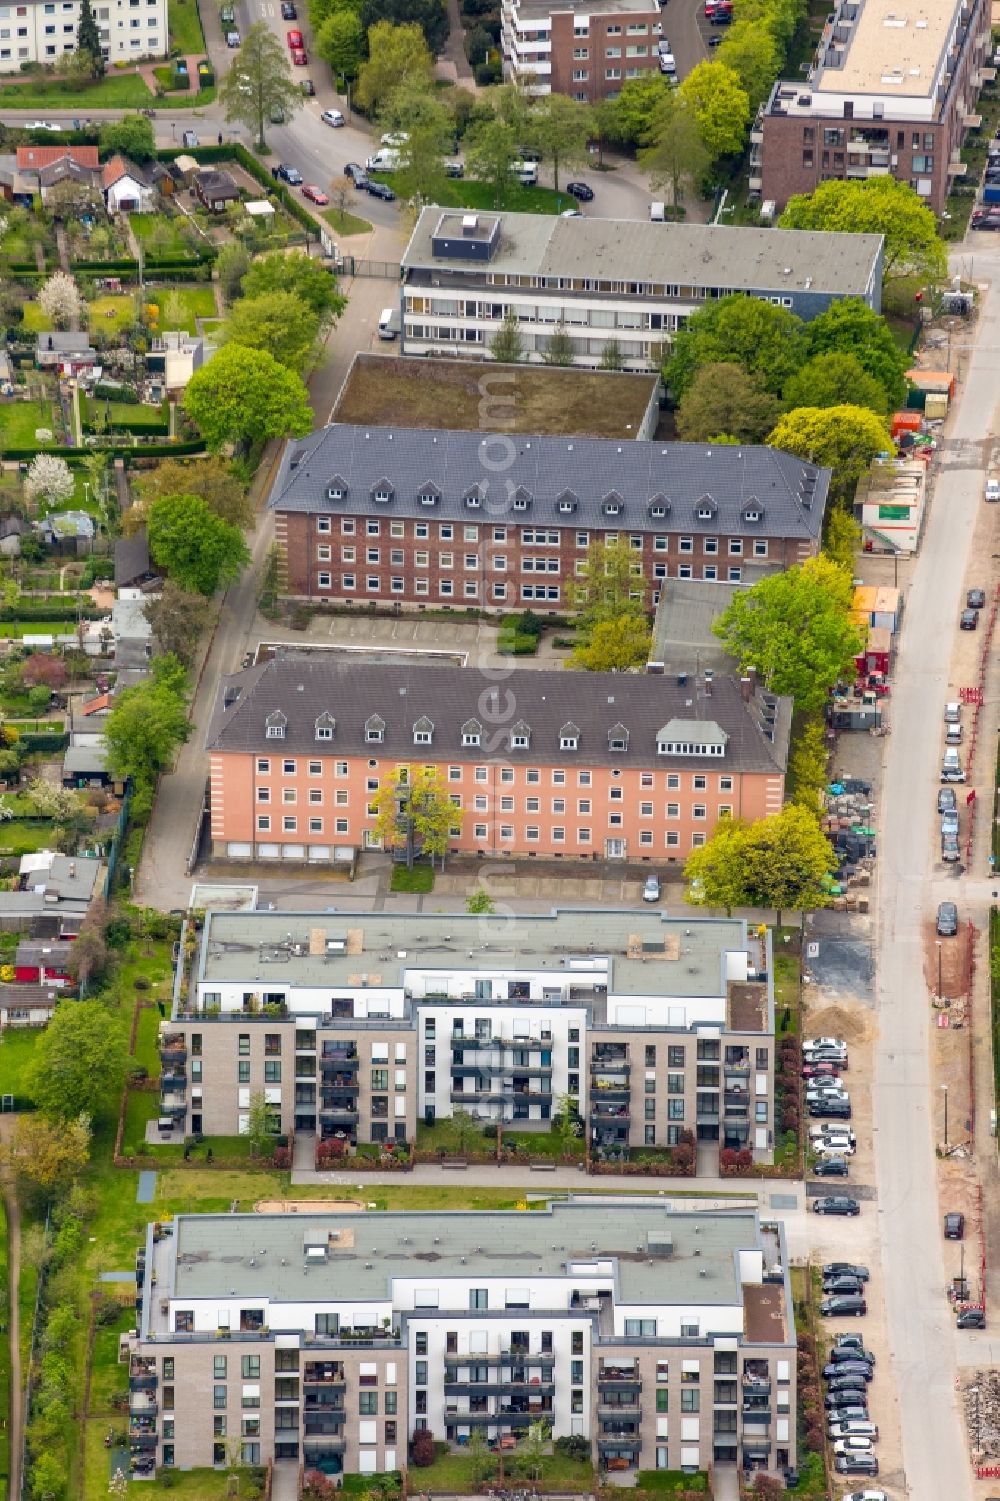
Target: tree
232,265
611,574
833,380
795,628
244,394
559,347
429,16
532,1449
259,1132
97,467
615,645
842,537
631,116
259,82
716,874
677,157
481,1461
423,1450
396,55
425,130
49,479
720,105
69,200
88,41
807,763
79,1060
725,399
876,206
299,275
278,322
507,345
147,724
752,53
849,326
560,128
844,439
48,1154
60,299
340,41
75,69
612,358
178,620
747,331
132,135
212,479
199,551
491,147
414,812
41,670
480,902
789,862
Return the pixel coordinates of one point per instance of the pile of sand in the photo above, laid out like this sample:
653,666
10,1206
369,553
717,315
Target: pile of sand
837,1021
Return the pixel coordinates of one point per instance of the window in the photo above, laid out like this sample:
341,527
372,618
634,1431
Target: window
263,823
250,1367
219,1397
691,1399
367,1403
479,1297
272,1071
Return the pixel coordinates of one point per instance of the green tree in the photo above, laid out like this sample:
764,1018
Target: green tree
244,394
844,439
340,41
300,275
677,157
415,812
178,620
429,16
721,107
277,322
259,81
789,862
615,645
795,628
199,550
833,380
876,206
849,326
212,479
132,135
630,121
751,51
807,763
559,348
88,41
259,1117
610,575
481,1461
396,55
507,345
560,129
79,1060
48,1154
842,537
612,358
746,331
725,399
491,147
716,873
532,1449
418,116
232,264
146,726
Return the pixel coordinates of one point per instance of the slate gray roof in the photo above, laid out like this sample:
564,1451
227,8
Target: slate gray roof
297,689
55,955
131,558
682,476
85,760
16,997
731,258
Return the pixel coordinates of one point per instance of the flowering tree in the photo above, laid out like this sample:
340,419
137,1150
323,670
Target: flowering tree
60,299
49,479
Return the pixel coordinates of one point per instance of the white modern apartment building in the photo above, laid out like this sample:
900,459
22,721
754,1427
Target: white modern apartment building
666,1339
41,31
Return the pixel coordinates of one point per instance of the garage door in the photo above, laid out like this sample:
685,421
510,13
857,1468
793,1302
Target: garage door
237,851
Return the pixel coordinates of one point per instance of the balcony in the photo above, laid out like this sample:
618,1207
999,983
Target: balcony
485,1095
142,1404
341,1080
607,1110
608,1062
506,1417
618,1378
323,1373
519,1358
609,1443
610,1411
755,1414
610,1094
142,1443
142,1375
333,1442
453,1387
175,1080
173,1104
339,1115
173,1049
755,1386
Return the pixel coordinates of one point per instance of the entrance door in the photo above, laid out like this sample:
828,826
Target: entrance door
614,849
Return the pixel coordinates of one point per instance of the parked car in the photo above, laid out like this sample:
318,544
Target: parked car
380,190
846,1400
232,38
651,890
856,1464
946,799
993,485
833,1044
859,1370
949,822
853,1428
836,1204
821,1070
983,220
954,1226
976,599
969,620
315,194
831,1167
857,1445
283,172
332,117
294,40
847,1269
824,1147
852,1388
825,1089
971,1318
830,1109
867,1495
288,11
950,852
299,57
834,1285
456,168
581,191
308,87
853,1412
850,1348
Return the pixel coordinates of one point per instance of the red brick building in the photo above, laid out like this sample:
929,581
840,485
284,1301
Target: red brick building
550,47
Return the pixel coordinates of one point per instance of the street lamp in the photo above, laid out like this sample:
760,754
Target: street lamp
940,989
945,1088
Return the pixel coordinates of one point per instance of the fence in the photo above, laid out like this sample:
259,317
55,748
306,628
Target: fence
117,840
975,696
26,1409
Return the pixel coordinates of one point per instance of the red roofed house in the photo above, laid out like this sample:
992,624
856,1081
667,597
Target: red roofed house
33,158
125,188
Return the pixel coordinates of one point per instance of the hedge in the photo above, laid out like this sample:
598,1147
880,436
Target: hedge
45,742
516,644
27,611
234,152
139,451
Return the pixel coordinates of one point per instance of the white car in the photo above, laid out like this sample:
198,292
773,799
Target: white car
822,1147
41,125
668,65
834,1043
992,485
332,117
875,1495
852,1428
853,1446
651,890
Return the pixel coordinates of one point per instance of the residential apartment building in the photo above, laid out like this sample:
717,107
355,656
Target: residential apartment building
418,517
667,1339
551,48
41,31
627,282
892,91
586,765
361,1025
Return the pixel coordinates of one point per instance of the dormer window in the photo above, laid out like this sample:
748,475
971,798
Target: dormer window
566,503
472,732
569,736
706,509
428,495
753,510
658,506
522,499
274,725
337,489
473,498
618,738
382,492
325,727
375,730
613,504
423,731
520,736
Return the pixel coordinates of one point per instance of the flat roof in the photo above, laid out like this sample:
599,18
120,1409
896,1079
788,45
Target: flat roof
446,393
243,1255
683,640
734,258
531,8
679,956
894,49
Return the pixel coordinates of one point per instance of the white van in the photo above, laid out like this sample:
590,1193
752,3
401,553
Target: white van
658,213
388,323
385,160
526,173
951,766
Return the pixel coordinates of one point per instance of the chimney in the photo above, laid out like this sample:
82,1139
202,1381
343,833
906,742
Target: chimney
745,690
752,675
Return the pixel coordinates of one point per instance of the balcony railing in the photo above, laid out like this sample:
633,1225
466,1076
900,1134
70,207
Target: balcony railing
333,1443
497,1388
344,1115
173,1104
173,1051
607,1110
619,1378
610,1411
142,1403
454,1416
610,1094
326,1373
619,1441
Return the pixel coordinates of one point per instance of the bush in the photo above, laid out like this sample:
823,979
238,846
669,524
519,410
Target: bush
516,644
573,1446
423,1450
282,1157
489,73
331,1150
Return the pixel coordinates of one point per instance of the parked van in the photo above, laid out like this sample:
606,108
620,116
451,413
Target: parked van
658,213
385,160
953,734
526,172
951,766
952,713
388,323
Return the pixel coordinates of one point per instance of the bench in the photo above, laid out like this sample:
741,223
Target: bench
454,1162
541,1167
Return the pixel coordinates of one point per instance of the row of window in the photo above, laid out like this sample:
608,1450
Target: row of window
530,537
289,767
373,584
498,562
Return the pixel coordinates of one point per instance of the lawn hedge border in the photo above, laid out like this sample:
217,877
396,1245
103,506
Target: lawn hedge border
233,152
120,451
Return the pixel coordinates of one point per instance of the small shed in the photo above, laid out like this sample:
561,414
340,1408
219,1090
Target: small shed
259,208
215,190
874,660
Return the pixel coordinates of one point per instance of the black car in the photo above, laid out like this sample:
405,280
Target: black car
284,173
580,190
969,619
846,1269
842,1285
380,190
288,11
844,1372
856,784
833,1109
836,1204
356,173
831,1167
971,1318
984,221
849,1348
308,87
856,1464
954,1227
947,916
856,1398
976,599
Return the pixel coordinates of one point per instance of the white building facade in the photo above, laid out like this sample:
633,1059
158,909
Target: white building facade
42,31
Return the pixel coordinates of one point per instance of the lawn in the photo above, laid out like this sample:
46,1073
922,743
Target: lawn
130,415
112,312
10,630
19,838
419,879
184,25
17,1048
192,303
33,320
456,1473
446,1133
160,234
468,193
19,419
117,91
4,1358
346,223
